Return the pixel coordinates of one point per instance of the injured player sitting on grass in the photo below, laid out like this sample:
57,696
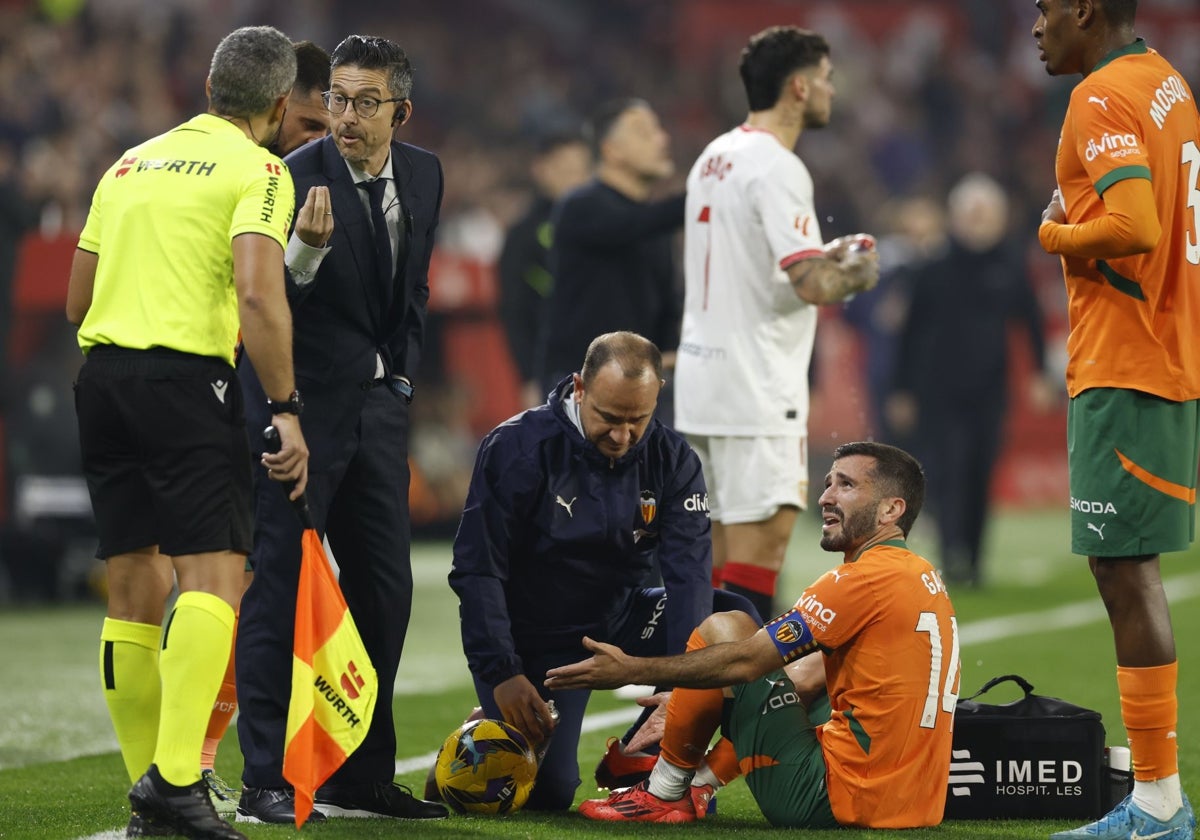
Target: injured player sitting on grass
873,748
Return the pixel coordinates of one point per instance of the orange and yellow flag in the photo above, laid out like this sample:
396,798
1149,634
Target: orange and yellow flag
333,682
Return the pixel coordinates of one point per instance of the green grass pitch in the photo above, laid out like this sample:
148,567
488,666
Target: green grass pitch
1039,616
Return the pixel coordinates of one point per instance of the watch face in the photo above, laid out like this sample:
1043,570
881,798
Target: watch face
293,405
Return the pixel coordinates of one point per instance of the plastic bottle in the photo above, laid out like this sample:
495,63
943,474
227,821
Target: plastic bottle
1118,774
540,751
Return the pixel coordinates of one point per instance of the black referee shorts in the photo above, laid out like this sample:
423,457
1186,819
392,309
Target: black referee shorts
165,454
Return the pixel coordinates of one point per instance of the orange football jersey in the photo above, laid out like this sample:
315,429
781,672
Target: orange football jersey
892,673
1133,320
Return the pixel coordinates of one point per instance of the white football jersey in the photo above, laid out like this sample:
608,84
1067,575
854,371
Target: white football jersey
747,339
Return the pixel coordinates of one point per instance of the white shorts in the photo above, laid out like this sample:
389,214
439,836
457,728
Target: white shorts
750,478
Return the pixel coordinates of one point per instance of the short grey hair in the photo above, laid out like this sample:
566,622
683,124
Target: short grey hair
251,68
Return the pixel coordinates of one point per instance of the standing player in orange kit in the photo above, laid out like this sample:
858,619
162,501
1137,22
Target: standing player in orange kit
1126,221
874,751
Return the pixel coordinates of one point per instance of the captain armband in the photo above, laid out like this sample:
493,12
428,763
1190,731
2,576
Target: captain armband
791,636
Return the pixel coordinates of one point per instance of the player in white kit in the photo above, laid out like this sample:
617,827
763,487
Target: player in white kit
756,268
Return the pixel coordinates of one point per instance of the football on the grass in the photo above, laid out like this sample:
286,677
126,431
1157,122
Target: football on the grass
486,767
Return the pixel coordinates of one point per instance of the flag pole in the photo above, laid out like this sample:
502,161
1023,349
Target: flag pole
334,684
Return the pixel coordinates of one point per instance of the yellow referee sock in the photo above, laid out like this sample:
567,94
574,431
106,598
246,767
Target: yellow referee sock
129,674
195,651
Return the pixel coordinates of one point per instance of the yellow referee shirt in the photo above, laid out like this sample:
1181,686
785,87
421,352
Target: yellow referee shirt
162,222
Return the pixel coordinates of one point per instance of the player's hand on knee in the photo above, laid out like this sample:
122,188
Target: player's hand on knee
808,678
651,732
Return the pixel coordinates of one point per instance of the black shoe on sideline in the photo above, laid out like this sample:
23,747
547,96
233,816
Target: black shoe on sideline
183,810
139,826
378,800
271,805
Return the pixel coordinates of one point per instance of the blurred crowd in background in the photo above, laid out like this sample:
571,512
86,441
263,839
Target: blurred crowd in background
927,93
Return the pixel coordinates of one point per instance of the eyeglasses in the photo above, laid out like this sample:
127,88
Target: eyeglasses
364,106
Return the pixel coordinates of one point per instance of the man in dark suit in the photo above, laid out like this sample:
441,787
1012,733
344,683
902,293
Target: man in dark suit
358,262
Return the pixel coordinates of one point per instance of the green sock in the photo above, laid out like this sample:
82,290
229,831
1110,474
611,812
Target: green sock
132,690
195,652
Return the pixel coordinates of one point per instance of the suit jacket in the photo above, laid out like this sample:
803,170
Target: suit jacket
357,440
338,320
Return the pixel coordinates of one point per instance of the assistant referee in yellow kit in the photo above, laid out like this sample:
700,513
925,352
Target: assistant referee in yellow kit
182,246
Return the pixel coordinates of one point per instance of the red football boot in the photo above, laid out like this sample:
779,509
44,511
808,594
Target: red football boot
636,804
618,770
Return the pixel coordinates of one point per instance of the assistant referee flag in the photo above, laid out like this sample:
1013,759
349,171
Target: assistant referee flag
334,686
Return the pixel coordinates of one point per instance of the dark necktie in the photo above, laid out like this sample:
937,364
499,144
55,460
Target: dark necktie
383,242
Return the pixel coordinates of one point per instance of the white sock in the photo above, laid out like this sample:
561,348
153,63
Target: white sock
705,776
667,781
1160,798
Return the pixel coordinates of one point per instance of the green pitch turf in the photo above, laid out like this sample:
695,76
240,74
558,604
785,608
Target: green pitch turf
1038,616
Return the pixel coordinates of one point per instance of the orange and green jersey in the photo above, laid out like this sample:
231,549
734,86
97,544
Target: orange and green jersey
1133,320
892,672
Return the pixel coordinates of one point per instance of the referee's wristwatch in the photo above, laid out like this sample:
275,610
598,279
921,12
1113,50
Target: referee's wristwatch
292,405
